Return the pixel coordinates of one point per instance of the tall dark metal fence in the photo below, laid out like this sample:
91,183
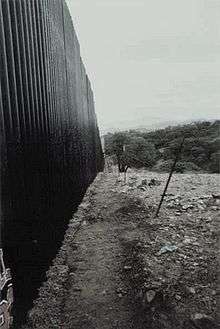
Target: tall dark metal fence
50,148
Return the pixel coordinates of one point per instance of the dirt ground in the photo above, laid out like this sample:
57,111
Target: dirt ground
120,267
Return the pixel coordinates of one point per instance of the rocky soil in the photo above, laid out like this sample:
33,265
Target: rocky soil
120,267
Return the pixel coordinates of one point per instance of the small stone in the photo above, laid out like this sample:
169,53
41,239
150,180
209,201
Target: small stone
203,321
127,268
216,196
150,295
120,295
84,205
199,316
191,290
214,208
167,248
187,240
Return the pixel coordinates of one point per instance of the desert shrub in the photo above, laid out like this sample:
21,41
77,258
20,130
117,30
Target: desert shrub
131,151
214,165
181,166
144,148
140,153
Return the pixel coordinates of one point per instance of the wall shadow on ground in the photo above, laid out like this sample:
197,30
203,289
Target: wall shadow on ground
30,259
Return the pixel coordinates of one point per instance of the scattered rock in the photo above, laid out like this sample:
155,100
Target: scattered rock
84,206
214,208
200,207
154,182
150,295
203,321
178,213
216,196
186,277
167,248
178,297
133,178
131,184
127,268
191,290
199,316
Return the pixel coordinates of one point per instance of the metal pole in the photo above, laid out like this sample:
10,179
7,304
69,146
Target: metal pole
170,176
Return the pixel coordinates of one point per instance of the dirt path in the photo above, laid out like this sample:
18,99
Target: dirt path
110,272
95,296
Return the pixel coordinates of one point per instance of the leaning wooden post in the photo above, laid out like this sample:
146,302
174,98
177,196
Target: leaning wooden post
170,176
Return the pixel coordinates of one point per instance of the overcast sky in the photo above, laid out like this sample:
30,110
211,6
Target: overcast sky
151,60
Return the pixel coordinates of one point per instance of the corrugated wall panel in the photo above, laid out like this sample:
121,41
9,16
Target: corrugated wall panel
50,147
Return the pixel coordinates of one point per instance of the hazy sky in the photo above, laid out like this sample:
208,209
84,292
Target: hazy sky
151,60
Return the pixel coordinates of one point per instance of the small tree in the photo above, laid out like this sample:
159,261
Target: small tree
119,140
131,151
140,153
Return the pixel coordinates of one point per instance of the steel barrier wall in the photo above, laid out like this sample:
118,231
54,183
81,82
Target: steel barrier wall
50,148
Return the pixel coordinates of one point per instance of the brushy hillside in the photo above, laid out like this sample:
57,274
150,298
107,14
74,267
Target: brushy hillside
157,149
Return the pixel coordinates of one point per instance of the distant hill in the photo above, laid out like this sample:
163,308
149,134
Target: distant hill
144,124
201,150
